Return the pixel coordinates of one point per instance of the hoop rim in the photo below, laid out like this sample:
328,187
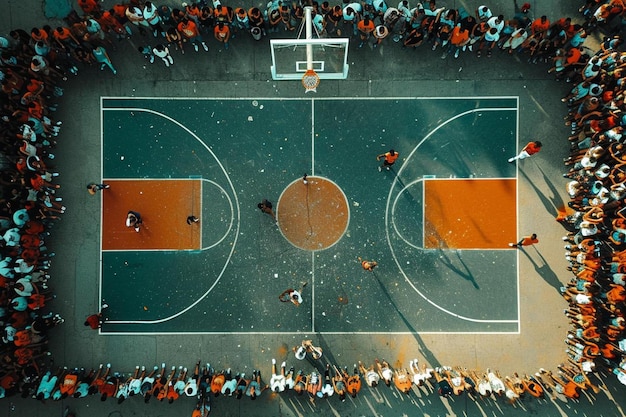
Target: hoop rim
310,80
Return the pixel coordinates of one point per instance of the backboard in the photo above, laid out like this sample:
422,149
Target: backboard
329,58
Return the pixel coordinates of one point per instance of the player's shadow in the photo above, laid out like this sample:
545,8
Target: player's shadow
553,204
544,271
427,353
455,160
327,356
463,271
557,201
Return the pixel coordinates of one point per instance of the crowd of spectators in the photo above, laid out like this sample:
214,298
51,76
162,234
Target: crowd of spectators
30,204
33,65
325,381
596,216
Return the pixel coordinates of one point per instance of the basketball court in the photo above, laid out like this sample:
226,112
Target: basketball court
444,263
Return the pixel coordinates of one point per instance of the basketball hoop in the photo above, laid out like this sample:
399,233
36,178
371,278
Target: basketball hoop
310,81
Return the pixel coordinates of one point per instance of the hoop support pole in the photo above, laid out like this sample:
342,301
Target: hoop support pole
308,15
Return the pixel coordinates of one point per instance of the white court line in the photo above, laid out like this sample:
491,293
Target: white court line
421,98
101,204
232,250
296,333
312,291
393,213
472,178
312,136
519,296
202,207
389,213
202,181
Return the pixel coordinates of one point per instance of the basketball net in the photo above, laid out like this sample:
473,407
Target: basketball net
310,81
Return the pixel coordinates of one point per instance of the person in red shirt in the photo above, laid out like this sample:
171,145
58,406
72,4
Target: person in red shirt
39,35
221,14
222,33
458,39
525,241
530,149
89,7
110,21
109,388
617,294
366,27
189,30
64,38
390,159
540,25
95,320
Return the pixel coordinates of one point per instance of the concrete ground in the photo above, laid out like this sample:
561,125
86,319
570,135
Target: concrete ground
243,71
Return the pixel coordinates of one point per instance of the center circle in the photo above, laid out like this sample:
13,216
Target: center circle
313,216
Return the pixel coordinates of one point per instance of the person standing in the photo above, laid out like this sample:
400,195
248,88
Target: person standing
368,265
101,56
390,159
189,30
366,27
151,16
221,32
163,52
266,207
135,15
95,320
353,383
93,188
278,380
292,295
133,219
530,149
525,241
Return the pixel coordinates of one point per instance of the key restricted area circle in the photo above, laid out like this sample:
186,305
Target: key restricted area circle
313,215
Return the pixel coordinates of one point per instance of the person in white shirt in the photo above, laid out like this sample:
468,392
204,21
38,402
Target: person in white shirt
277,382
370,375
230,385
384,371
327,389
191,387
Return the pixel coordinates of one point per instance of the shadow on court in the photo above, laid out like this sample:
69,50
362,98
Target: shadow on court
556,199
463,272
427,353
544,271
552,204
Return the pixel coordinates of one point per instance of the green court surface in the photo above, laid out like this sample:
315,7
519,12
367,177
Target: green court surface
249,149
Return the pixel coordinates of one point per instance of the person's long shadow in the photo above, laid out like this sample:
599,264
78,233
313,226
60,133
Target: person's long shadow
327,356
544,270
547,203
557,201
466,274
427,353
445,259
